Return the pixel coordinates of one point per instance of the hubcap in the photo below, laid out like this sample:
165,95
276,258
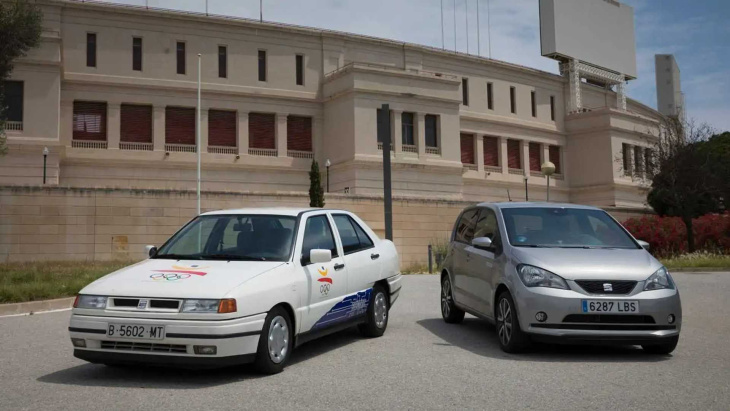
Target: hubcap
446,298
278,339
381,310
504,321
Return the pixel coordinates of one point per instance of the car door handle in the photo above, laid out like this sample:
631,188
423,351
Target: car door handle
339,267
374,256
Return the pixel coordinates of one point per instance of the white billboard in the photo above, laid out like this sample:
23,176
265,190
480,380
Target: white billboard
596,32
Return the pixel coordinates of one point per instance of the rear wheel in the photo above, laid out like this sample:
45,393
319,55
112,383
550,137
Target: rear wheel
663,348
449,311
511,337
275,343
377,314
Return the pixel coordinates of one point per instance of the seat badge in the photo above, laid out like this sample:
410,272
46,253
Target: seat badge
606,287
142,304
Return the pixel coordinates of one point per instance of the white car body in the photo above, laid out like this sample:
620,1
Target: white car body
316,306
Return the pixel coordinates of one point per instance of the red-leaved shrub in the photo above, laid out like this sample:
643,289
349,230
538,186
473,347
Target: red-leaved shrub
668,235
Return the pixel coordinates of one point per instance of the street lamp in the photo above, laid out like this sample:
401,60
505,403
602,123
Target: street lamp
548,168
45,158
328,164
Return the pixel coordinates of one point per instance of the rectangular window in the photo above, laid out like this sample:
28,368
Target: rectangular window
222,61
465,91
533,102
90,49
512,100
490,96
491,151
300,69
467,148
13,100
180,57
317,235
222,128
408,137
535,155
136,124
137,53
555,158
649,162
353,237
180,125
299,133
432,130
514,159
552,108
262,65
638,160
261,130
626,158
89,121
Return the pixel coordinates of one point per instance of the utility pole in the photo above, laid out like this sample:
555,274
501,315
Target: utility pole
454,25
489,29
479,33
197,138
385,137
443,42
466,16
261,11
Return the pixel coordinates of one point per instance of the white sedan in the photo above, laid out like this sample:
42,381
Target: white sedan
240,286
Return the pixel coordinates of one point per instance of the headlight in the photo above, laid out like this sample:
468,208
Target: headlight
200,306
537,277
660,280
90,301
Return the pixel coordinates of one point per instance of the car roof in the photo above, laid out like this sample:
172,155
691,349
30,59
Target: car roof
283,211
537,204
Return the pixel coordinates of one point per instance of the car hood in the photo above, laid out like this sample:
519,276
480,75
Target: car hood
591,264
179,279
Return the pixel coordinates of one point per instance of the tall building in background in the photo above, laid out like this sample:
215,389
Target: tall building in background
670,99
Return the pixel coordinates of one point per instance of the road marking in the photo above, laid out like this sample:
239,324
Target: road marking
35,313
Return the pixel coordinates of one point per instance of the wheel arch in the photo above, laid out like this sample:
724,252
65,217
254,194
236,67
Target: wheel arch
497,291
292,315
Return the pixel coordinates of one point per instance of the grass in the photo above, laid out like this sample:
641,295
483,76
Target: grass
32,281
697,260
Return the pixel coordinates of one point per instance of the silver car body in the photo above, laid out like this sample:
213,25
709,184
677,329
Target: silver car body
479,276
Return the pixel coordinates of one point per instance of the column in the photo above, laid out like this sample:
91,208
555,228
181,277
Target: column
66,125
242,133
281,143
158,128
318,140
113,125
480,152
203,130
525,155
503,158
421,133
396,133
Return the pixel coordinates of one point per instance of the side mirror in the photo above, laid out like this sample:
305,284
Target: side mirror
644,245
319,256
151,250
483,243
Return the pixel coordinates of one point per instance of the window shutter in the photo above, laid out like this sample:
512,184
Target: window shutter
491,151
555,158
89,121
261,130
136,124
179,125
467,148
535,157
513,154
221,128
299,133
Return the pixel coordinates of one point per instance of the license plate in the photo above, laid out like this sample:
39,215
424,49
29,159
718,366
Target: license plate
607,306
141,332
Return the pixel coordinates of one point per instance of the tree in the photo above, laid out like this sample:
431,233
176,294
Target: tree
20,30
717,150
683,185
316,192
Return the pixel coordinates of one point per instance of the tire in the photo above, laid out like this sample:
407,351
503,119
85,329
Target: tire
377,314
663,348
275,343
449,311
509,334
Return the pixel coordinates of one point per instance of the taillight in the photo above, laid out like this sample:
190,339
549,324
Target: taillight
76,301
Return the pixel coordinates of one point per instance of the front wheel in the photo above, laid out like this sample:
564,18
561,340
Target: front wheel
377,314
275,342
663,348
511,337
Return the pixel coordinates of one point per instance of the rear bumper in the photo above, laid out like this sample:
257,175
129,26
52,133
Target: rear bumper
155,360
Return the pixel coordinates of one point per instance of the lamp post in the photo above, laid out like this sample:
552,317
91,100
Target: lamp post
45,158
526,197
548,168
328,164
197,134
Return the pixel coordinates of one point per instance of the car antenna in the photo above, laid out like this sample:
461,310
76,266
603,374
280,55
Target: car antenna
508,196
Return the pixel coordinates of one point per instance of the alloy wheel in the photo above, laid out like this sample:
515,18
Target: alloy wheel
504,321
446,299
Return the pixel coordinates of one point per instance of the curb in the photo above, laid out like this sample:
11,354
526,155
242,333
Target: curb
698,269
36,306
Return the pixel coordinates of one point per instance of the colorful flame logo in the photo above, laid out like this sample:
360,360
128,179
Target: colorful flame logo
193,269
323,272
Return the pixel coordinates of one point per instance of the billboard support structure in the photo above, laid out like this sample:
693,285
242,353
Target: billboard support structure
575,70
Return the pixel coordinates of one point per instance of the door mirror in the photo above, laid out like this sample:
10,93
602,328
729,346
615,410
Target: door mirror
319,256
151,250
482,243
644,245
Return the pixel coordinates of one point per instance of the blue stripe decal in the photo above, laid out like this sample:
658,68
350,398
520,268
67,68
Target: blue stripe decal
351,306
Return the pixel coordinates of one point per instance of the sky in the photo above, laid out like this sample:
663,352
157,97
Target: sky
695,31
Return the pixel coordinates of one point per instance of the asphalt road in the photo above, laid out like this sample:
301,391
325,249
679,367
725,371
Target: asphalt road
420,363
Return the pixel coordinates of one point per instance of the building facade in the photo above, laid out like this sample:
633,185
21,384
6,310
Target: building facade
112,91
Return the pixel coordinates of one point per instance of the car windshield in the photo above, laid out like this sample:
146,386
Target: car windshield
232,237
564,228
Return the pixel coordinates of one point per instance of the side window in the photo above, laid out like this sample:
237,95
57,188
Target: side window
318,235
352,235
486,225
465,228
365,241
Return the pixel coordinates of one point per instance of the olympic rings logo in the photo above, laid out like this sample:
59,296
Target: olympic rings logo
169,277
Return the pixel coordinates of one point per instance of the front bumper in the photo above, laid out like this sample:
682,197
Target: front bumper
649,325
236,341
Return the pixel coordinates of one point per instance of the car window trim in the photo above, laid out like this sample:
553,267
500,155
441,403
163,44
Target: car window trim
334,239
352,221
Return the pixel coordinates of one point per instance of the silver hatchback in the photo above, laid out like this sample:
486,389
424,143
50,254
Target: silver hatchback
558,273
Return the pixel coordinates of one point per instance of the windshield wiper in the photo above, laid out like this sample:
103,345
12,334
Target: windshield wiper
177,257
231,257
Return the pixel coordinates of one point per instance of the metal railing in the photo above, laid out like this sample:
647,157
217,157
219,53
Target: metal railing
516,171
180,148
222,150
14,126
493,169
129,145
265,152
472,167
299,154
433,150
409,148
89,144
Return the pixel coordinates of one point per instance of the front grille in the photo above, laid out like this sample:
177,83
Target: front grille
166,304
597,286
609,319
148,347
126,302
